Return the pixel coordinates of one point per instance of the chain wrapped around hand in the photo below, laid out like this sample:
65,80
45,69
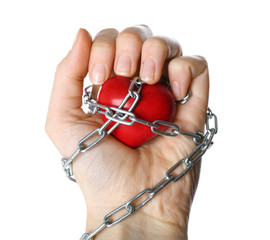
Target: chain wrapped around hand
127,117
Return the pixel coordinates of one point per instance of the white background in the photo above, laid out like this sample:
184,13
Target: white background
232,202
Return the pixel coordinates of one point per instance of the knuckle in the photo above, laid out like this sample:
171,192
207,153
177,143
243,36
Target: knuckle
202,59
179,65
170,47
107,31
102,43
60,66
130,36
105,38
156,42
106,34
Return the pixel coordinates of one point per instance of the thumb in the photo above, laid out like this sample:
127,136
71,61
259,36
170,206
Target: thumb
69,76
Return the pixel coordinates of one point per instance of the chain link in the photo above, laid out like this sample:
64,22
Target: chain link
185,165
127,117
117,115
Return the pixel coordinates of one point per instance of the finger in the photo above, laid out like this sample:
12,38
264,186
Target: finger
68,83
155,51
181,72
102,56
128,49
190,73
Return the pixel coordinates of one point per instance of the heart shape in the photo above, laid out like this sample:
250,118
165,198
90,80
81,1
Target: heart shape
156,103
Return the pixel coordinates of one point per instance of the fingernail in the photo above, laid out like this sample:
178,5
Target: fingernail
98,74
148,70
176,90
123,66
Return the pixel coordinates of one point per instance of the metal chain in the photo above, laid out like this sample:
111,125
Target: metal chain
186,164
113,114
127,117
118,116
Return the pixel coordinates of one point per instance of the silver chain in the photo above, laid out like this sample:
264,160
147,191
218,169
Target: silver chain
127,117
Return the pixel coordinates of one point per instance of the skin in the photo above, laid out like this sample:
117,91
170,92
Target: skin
112,173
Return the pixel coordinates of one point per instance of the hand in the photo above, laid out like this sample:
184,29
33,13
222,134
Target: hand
112,173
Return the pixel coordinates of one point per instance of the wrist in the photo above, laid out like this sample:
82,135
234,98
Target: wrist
139,227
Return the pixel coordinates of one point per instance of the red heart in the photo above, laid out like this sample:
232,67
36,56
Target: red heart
156,103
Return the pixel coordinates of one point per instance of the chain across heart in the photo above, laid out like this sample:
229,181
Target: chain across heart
155,102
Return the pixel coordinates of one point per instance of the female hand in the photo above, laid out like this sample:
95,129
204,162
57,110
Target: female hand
111,173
